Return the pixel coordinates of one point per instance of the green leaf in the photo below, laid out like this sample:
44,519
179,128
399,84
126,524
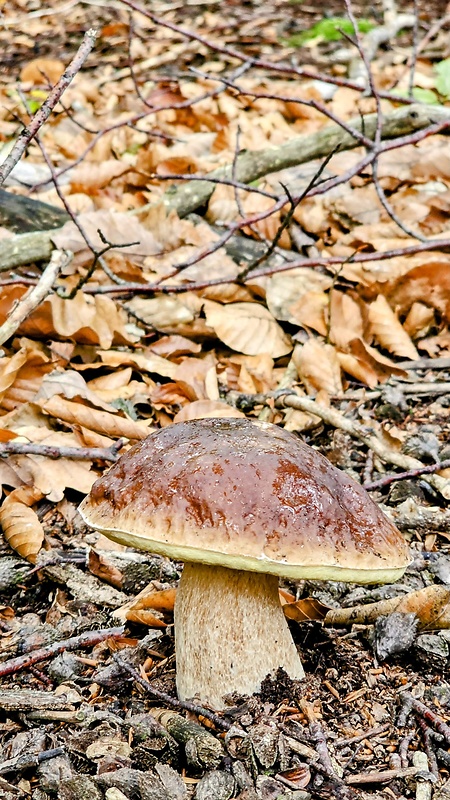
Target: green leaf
329,30
443,77
421,95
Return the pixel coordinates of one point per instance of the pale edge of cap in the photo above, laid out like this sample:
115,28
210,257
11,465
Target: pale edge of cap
284,569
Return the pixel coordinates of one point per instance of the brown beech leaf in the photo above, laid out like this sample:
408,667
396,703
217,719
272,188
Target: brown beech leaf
420,319
346,320
41,71
302,610
429,283
116,227
103,569
9,368
318,367
170,314
248,328
144,359
202,409
85,319
366,364
101,421
289,293
145,617
21,526
162,600
388,330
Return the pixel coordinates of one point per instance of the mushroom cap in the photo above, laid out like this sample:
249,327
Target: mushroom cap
245,495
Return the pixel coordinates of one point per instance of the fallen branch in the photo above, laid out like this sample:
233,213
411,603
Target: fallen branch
89,639
33,297
41,116
186,198
50,451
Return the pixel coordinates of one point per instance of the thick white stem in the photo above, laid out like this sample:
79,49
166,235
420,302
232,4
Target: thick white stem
230,632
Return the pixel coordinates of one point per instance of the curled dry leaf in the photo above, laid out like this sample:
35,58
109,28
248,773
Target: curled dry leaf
318,367
202,409
431,606
388,331
366,364
248,328
103,569
303,610
429,282
420,320
145,617
21,527
145,360
101,421
346,319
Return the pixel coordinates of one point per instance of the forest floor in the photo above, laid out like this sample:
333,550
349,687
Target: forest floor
311,291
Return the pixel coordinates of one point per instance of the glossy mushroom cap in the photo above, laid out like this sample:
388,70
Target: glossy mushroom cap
249,496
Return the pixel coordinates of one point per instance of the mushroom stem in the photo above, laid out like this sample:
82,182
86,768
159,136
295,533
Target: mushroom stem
230,632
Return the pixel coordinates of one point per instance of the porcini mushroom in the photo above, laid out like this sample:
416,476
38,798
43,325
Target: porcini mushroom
241,503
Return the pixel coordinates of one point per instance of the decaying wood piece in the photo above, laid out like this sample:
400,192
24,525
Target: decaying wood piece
25,214
203,750
25,248
32,700
85,587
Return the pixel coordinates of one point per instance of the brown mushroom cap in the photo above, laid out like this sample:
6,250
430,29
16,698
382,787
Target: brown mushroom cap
247,496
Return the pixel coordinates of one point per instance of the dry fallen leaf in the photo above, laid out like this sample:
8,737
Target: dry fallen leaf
101,421
103,569
21,526
318,367
388,331
248,328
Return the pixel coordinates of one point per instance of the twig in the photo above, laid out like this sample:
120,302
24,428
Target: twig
381,777
35,296
361,736
88,639
30,131
429,716
318,737
413,473
404,746
428,747
51,451
163,697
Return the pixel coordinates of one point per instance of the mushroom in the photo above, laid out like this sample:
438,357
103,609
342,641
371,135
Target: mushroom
241,503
